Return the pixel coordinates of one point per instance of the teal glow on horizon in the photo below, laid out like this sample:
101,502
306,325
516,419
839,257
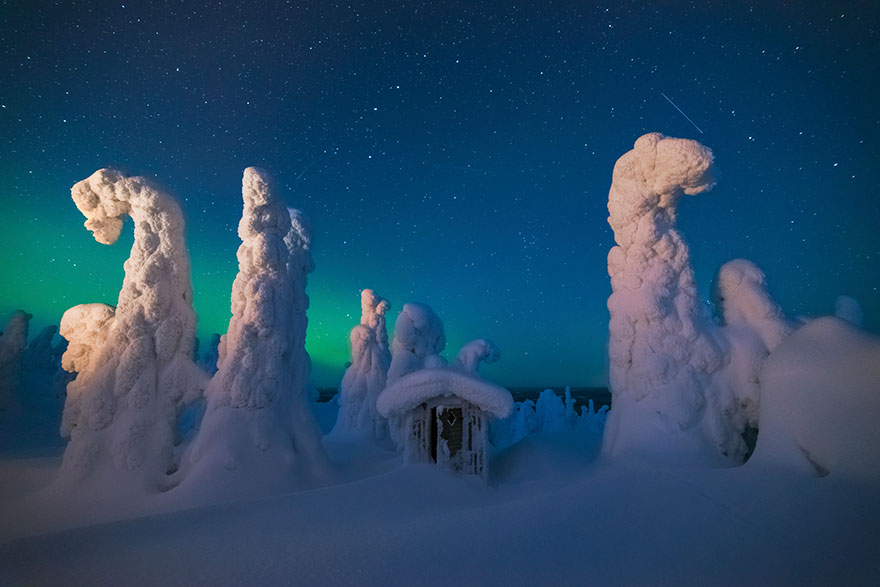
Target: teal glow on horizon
458,155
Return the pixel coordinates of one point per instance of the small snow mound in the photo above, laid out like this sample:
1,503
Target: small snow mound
416,388
849,309
820,402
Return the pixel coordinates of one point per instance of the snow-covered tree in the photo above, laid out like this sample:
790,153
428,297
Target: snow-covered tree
419,339
366,376
753,326
682,385
258,422
661,346
134,362
474,353
13,341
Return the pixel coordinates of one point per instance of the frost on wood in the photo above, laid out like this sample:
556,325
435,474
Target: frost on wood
419,339
671,394
13,341
258,416
134,363
366,376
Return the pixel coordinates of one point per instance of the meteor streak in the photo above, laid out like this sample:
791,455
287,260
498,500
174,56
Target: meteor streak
682,113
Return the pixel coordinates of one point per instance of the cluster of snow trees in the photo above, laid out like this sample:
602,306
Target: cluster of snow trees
31,384
689,381
686,384
135,363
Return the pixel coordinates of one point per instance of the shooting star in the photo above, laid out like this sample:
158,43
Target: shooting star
682,113
309,166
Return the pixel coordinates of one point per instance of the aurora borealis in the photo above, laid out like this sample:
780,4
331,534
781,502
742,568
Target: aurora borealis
450,153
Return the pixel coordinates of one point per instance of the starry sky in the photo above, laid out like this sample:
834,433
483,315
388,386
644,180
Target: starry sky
457,154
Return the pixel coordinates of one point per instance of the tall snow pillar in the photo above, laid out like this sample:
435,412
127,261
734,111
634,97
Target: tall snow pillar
661,347
258,422
366,376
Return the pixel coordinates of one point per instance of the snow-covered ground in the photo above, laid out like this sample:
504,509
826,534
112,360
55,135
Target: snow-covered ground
554,512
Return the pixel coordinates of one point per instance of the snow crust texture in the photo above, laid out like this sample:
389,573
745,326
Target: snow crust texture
367,375
134,362
257,417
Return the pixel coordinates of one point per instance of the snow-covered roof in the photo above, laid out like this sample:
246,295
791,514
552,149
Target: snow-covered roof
418,387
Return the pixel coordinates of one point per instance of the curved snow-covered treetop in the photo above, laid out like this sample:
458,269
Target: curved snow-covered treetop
663,347
134,362
650,180
474,353
416,388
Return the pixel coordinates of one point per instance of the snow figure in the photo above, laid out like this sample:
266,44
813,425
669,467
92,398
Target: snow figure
418,341
365,377
754,325
475,352
848,308
258,423
820,403
12,343
661,347
134,363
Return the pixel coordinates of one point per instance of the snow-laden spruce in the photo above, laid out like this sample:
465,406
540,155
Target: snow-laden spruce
134,363
682,386
258,423
13,341
366,376
419,339
753,325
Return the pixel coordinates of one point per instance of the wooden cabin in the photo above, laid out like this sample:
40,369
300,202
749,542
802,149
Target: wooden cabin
445,415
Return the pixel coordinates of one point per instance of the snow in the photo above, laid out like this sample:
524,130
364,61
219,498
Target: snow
257,425
550,413
420,386
647,496
475,352
366,376
821,401
134,363
552,514
419,339
684,388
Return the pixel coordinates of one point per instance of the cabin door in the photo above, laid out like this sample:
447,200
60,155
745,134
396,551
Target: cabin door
450,424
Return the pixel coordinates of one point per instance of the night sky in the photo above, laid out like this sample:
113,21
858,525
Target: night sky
453,153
